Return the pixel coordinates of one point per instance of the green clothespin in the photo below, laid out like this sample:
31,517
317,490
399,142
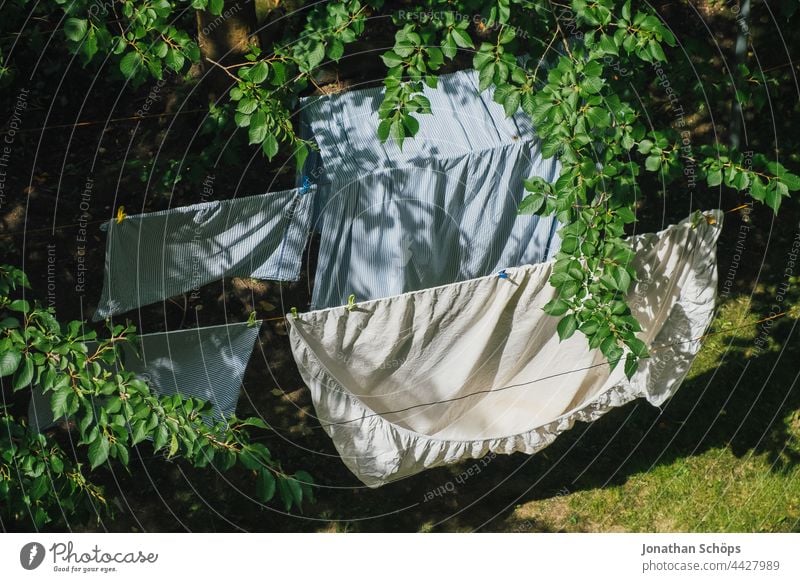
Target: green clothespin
251,319
351,302
293,311
697,216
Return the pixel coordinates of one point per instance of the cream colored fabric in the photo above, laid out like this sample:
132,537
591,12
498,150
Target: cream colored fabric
486,349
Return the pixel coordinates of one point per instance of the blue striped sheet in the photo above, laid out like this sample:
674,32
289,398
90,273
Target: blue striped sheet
204,362
440,210
150,257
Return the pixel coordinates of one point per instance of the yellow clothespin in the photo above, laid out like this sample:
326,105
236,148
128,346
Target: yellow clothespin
293,311
351,303
251,319
121,214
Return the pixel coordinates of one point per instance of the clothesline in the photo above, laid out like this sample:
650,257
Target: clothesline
82,224
105,122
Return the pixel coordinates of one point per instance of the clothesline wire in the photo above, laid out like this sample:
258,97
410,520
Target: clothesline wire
82,224
53,228
550,377
106,121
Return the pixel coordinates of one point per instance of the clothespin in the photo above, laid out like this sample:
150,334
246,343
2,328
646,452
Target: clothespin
503,274
293,311
251,319
351,303
121,214
306,185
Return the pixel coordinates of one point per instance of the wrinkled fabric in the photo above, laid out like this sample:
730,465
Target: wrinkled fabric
153,256
440,210
205,362
433,377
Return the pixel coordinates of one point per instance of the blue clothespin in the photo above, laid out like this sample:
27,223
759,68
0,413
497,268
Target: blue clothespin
502,274
306,185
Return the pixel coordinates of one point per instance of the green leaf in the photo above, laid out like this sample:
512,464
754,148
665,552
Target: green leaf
75,28
175,59
316,55
258,128
397,132
270,146
265,485
791,180
608,45
631,365
20,305
56,465
556,307
653,163
411,125
285,493
300,155
335,49
486,76
449,47
9,362
567,326
173,445
130,64
98,451
775,193
507,35
255,421
638,347
247,105
511,104
592,85
89,46
161,436
58,402
139,433
391,59
714,178
259,72
622,280
423,103
278,73
24,374
598,117
383,129
216,6
482,58
531,204
462,38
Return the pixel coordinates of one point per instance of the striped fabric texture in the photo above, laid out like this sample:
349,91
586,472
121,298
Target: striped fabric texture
206,363
150,257
440,210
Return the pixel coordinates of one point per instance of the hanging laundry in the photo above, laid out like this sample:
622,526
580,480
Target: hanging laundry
441,209
150,257
432,377
204,362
